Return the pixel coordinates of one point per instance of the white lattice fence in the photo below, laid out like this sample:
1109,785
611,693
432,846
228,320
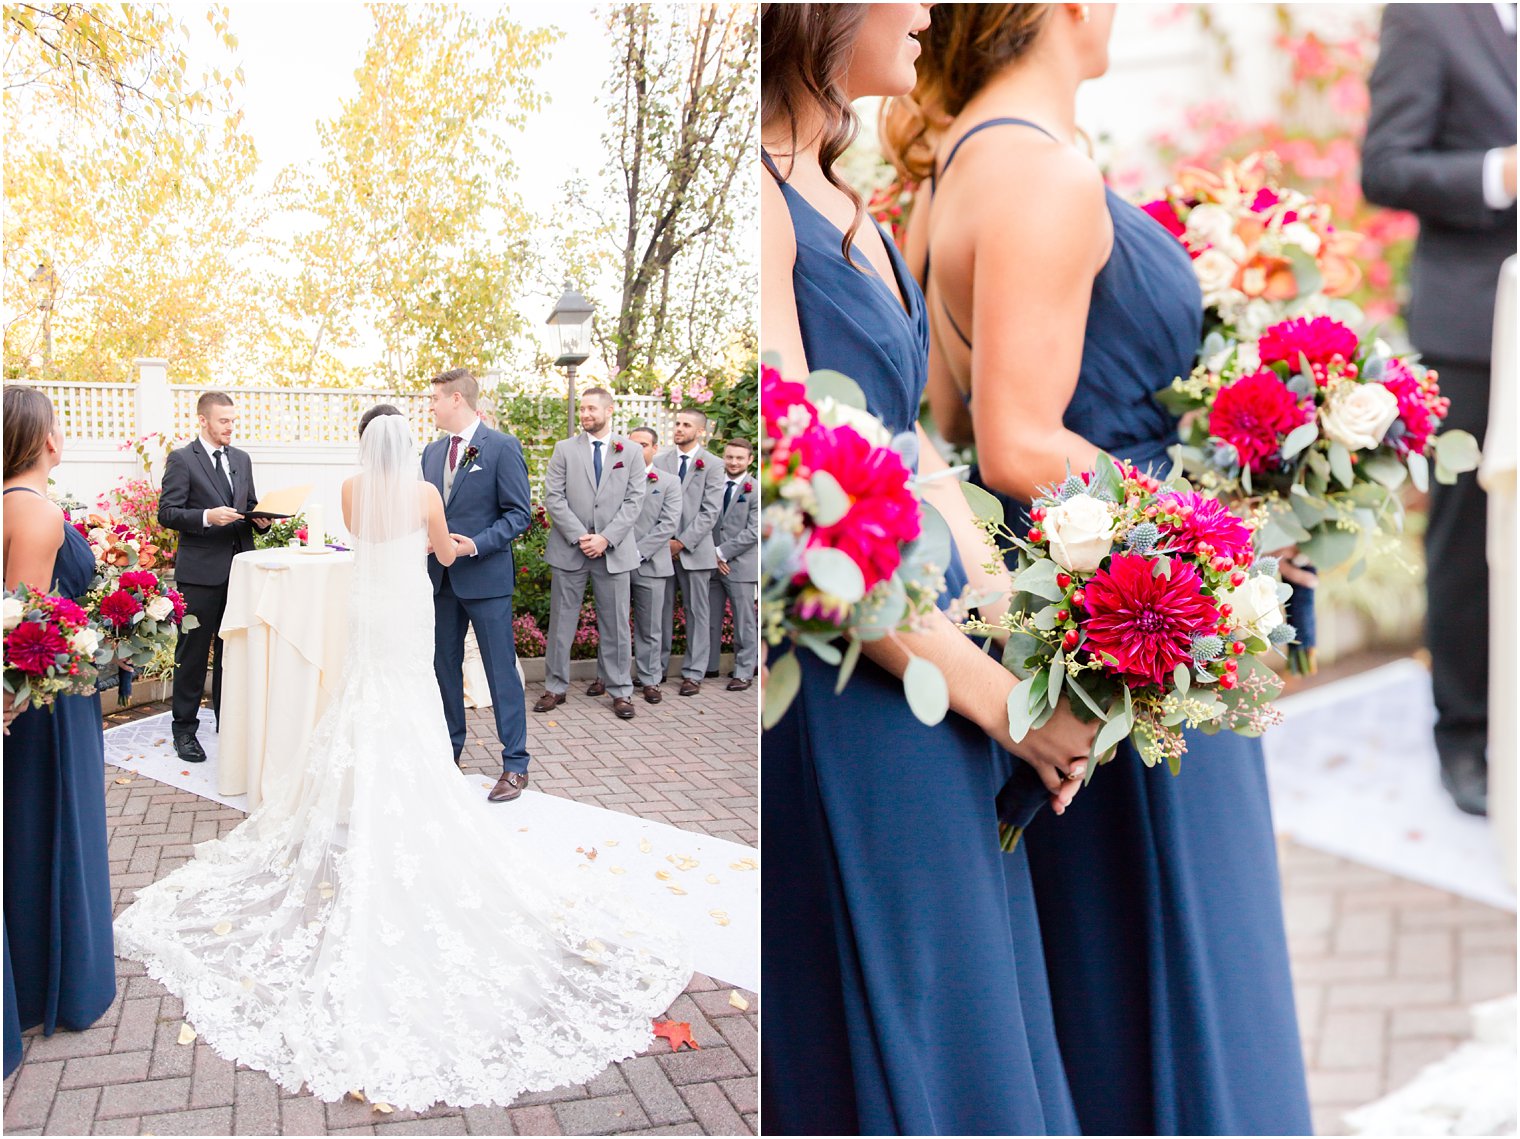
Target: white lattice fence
301,415
93,411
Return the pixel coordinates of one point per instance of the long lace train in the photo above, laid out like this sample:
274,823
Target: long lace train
375,925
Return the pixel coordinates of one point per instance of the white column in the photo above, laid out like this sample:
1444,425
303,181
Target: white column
154,402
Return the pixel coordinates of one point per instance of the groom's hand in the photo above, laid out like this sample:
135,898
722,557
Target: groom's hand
463,547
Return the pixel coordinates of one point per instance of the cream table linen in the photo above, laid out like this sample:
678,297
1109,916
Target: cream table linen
284,635
1497,475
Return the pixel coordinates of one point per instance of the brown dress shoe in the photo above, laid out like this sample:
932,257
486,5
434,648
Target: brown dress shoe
549,701
623,707
737,685
652,694
690,687
509,786
596,688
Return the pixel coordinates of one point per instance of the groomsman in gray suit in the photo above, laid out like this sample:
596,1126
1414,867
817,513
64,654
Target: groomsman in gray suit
701,477
736,541
593,492
657,524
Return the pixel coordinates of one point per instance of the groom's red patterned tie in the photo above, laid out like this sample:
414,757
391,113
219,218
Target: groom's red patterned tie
454,441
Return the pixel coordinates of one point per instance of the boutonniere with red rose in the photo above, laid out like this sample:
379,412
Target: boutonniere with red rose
700,464
617,449
748,486
471,453
652,475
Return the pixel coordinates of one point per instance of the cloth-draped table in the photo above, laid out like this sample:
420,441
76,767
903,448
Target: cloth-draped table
284,634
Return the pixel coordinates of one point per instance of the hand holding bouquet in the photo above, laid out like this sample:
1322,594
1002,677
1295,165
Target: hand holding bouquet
50,648
849,551
1148,607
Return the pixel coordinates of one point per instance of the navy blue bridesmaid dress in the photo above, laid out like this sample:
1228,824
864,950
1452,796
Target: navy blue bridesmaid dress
60,968
902,969
1158,896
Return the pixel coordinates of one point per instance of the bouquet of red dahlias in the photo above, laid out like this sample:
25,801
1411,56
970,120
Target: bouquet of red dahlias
50,648
139,618
1146,605
848,549
1318,430
1261,251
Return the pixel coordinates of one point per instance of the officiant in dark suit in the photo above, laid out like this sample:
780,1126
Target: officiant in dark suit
1441,144
207,492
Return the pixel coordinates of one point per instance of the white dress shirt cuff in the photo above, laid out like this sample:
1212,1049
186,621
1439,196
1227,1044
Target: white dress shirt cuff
205,519
1495,196
719,551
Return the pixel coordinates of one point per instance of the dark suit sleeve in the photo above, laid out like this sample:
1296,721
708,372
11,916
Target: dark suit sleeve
174,510
1402,164
513,497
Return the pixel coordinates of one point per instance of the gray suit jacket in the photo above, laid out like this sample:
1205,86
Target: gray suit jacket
702,495
658,520
578,504
738,530
1443,94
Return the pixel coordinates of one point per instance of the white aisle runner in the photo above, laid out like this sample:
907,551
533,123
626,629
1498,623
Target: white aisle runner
707,887
1353,772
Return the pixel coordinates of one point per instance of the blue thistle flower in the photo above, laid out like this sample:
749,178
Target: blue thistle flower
1206,647
1072,485
1283,634
1264,566
1143,538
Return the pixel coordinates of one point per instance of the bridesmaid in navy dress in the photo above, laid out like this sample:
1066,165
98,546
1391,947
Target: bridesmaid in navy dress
1059,309
902,969
60,968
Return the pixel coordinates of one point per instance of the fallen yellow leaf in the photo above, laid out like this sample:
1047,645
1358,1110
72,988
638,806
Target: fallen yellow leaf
617,870
675,889
611,842
123,781
662,875
644,845
358,1095
186,1034
713,879
222,928
737,1001
384,1108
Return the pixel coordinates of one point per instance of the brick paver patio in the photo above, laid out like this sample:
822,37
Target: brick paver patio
686,762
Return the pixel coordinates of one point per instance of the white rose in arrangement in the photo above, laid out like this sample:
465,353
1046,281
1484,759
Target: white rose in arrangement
1215,270
85,642
1254,606
832,413
160,608
1081,532
13,613
1358,415
1298,234
1210,223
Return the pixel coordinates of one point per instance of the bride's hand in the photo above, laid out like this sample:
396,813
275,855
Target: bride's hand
1293,573
1058,753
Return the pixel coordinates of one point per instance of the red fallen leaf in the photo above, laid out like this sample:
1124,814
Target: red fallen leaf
1415,836
184,773
678,1032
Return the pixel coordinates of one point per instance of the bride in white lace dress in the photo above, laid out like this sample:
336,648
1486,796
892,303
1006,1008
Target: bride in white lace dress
372,926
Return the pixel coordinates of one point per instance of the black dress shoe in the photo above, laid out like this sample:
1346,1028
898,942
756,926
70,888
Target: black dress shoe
1464,774
710,674
188,748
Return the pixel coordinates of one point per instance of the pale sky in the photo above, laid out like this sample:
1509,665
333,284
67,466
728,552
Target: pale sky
299,60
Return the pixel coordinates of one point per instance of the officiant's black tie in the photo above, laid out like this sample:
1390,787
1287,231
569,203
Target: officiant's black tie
682,475
218,457
596,460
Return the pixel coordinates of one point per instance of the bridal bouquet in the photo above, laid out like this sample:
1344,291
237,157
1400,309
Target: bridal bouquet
139,618
50,648
1317,430
1148,606
1261,251
848,549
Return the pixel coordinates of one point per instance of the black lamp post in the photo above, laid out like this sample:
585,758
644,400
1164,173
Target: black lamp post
571,319
43,283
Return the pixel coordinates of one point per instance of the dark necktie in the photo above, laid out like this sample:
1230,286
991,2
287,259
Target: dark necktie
728,495
454,441
596,460
682,475
220,456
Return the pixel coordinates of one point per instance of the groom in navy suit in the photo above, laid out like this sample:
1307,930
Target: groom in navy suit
484,482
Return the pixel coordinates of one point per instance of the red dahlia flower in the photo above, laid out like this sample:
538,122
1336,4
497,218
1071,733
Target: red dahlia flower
777,399
33,647
1166,213
1421,407
1144,621
68,612
1320,339
1207,520
119,608
177,599
884,515
1254,415
139,579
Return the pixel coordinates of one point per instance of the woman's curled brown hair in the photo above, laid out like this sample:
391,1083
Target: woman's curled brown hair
29,421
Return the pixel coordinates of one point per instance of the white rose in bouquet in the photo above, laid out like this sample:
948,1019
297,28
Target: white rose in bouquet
1211,224
85,642
1255,606
1080,531
1298,234
1358,415
1215,270
832,413
160,608
14,611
